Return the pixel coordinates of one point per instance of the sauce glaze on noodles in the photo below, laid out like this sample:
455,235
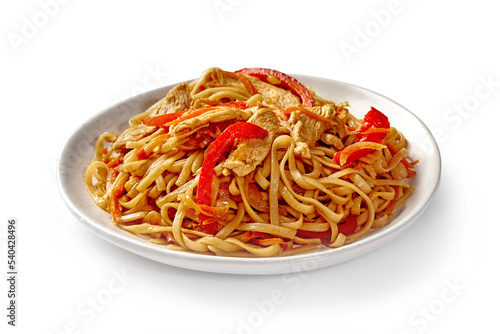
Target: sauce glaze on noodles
285,194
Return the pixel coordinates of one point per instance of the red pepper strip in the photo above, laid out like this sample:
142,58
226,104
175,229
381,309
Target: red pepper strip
372,132
374,119
214,154
356,151
374,128
249,235
309,113
376,135
323,236
285,80
348,226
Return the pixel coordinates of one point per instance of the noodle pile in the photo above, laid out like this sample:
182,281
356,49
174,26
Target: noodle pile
314,180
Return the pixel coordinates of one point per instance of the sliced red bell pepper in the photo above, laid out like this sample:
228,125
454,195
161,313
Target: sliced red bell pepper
376,135
374,128
284,80
374,119
369,135
323,236
356,151
215,152
347,227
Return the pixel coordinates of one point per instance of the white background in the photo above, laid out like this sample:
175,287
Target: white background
64,61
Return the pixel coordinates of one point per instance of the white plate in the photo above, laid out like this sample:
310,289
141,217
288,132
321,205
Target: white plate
79,150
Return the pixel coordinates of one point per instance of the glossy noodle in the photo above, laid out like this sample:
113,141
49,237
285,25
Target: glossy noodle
251,163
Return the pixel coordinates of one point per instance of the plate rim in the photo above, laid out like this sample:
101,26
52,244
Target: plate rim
237,265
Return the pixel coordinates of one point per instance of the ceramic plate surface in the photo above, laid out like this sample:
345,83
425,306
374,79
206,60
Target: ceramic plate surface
79,151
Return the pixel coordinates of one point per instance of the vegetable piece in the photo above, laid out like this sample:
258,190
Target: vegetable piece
369,135
348,226
262,239
374,128
161,119
376,135
323,236
356,151
116,161
214,154
278,78
374,119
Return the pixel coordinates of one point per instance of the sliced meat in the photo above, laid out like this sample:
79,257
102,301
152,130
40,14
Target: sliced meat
251,152
306,131
177,99
212,116
133,133
274,97
332,140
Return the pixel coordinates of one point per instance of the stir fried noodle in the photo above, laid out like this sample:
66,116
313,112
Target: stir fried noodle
250,163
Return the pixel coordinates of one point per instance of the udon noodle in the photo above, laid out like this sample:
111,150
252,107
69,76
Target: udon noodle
251,163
